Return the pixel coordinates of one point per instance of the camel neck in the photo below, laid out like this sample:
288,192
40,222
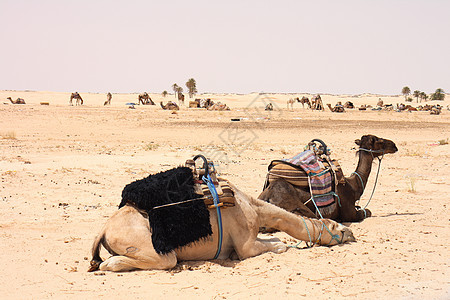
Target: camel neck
363,170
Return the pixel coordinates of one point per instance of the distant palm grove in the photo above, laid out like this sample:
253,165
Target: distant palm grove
439,94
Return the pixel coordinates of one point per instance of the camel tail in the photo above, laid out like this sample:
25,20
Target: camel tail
96,259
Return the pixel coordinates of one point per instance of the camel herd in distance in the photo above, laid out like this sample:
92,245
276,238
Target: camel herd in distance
315,103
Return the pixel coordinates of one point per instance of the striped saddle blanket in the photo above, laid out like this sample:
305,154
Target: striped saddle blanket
224,191
305,169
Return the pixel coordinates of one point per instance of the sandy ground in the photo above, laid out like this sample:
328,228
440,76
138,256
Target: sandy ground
63,169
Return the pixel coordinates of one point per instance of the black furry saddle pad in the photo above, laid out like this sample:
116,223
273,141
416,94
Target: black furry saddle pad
172,226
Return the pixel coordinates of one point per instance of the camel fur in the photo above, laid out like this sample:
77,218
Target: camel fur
281,193
128,238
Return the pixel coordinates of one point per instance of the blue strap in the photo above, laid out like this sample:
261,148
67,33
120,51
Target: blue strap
216,200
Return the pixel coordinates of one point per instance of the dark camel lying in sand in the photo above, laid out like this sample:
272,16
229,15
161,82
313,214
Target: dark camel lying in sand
18,101
170,106
293,199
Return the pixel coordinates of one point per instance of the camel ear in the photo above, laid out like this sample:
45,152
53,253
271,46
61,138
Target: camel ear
358,142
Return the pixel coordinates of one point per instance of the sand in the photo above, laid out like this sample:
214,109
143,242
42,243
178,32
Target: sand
63,169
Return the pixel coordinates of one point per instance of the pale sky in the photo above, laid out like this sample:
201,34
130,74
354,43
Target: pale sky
335,46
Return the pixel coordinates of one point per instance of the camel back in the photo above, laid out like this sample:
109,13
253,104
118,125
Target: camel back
224,191
295,175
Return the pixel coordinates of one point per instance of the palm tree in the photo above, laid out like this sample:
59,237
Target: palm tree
164,94
439,94
192,87
416,94
175,88
423,96
179,89
406,91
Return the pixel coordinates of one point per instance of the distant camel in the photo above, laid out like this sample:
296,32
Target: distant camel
77,97
316,103
145,99
303,101
436,110
18,101
290,103
337,108
218,106
108,99
349,104
380,102
269,106
170,106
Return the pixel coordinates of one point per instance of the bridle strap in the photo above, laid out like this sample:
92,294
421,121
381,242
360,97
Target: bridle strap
376,178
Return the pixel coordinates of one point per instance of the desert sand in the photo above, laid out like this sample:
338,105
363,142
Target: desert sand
63,169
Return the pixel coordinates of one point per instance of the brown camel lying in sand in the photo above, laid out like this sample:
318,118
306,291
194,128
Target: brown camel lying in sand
128,238
170,106
18,101
337,108
293,199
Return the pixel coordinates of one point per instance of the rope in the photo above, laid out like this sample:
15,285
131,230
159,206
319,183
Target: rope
309,236
181,202
333,236
213,191
376,177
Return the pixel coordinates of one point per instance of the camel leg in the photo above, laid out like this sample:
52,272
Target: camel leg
304,229
127,236
247,244
122,263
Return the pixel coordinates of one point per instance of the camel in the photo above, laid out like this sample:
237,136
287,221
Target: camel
218,106
349,104
145,99
337,108
303,101
77,97
127,236
435,110
349,189
194,104
170,106
380,102
290,103
18,101
108,99
316,103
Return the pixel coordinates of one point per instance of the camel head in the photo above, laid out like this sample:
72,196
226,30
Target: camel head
371,142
